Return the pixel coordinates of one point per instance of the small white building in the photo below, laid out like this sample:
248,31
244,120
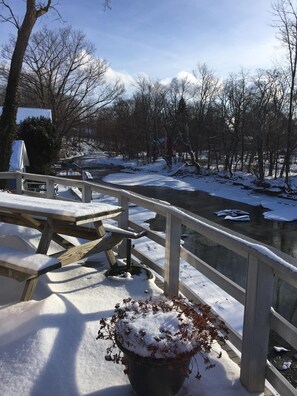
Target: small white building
19,157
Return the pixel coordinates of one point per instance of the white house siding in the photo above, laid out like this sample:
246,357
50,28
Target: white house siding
19,158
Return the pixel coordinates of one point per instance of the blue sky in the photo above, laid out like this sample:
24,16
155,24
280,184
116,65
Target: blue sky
161,38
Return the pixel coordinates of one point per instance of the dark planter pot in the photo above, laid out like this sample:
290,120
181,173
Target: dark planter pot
120,270
156,377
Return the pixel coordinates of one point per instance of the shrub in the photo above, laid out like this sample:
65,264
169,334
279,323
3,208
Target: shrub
42,143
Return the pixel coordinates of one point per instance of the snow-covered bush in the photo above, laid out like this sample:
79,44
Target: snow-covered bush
161,328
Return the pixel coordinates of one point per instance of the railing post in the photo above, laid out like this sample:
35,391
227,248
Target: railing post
50,188
256,326
86,193
123,223
19,183
172,255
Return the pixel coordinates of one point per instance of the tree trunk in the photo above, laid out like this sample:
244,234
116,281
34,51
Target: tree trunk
10,105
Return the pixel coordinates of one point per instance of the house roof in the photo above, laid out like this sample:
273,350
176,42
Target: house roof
26,112
19,158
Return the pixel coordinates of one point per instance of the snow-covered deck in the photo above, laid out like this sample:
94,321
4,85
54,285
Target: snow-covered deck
48,345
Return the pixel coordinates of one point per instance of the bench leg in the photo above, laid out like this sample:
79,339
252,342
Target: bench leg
128,250
29,289
109,253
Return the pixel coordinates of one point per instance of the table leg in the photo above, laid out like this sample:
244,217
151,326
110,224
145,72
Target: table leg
39,225
46,237
101,232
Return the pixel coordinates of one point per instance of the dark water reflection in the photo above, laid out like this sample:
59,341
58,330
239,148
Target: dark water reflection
281,235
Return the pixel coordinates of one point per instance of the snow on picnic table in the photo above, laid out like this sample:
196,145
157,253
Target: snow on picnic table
52,206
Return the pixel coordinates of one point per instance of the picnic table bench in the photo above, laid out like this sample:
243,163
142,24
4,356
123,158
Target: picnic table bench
55,218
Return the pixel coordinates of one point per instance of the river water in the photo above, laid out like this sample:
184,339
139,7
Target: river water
281,235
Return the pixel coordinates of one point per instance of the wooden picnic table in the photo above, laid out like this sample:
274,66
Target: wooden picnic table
55,218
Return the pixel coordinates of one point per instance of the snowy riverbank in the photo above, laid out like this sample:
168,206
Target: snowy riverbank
280,206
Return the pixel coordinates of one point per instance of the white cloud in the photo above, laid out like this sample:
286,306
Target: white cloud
112,76
184,75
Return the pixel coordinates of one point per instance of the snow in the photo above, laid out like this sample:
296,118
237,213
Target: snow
280,349
58,207
233,215
48,345
135,173
26,112
33,262
158,329
19,158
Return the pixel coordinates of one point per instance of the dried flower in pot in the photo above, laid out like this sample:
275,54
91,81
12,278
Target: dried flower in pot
156,339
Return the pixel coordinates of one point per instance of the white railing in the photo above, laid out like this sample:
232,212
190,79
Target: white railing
263,265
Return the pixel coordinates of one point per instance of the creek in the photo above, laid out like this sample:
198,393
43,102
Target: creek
281,235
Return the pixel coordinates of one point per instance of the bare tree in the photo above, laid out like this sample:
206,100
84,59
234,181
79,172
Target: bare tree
285,12
34,10
205,91
179,93
148,114
61,72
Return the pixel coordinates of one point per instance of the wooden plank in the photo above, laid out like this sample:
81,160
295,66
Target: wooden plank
256,327
46,237
86,193
61,227
19,268
284,328
40,225
233,335
29,289
125,233
215,276
76,253
172,256
279,382
91,213
108,252
123,223
12,273
144,259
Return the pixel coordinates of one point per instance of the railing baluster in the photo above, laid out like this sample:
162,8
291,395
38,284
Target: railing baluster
50,188
172,255
86,193
19,183
123,223
256,327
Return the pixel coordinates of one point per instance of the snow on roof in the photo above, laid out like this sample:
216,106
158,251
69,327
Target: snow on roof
26,112
19,157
